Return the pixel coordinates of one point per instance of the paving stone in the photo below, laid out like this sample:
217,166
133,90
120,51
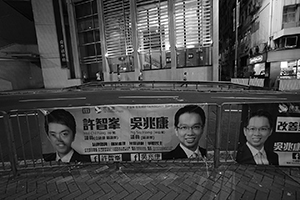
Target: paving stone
108,195
151,187
183,195
132,195
84,195
83,187
72,195
140,188
196,196
248,195
60,195
274,196
234,195
187,188
106,187
209,196
170,196
96,195
261,195
156,181
157,196
117,187
73,187
62,187
144,196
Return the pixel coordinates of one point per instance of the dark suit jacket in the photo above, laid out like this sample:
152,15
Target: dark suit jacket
178,153
244,156
76,157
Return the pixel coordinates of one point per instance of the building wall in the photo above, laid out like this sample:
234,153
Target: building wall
17,75
277,15
54,75
262,34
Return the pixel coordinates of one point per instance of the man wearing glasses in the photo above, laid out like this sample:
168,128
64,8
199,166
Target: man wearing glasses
189,124
257,131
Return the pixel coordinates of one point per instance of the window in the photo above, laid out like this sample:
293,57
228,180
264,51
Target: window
88,32
193,32
289,69
86,14
287,42
153,33
291,41
290,16
118,35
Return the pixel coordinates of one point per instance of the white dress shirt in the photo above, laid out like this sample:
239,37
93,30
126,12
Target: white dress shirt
260,157
65,158
189,153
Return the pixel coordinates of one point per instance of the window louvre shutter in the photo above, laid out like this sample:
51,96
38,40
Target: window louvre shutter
192,23
152,24
117,28
88,31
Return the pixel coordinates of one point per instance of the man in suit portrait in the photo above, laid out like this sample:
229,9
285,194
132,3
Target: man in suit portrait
189,122
60,127
257,130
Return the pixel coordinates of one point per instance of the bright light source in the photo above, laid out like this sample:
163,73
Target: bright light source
190,46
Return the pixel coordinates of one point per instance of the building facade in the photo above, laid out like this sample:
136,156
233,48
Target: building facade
125,39
268,45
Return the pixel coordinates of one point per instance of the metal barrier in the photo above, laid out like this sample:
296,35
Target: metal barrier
21,146
25,144
196,85
231,126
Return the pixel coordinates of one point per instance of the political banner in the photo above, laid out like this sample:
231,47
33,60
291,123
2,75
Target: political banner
117,132
270,134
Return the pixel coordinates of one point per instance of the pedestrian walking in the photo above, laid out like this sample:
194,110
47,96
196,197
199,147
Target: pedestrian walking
184,79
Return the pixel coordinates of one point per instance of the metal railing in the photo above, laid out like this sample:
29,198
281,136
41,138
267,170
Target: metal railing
195,85
21,144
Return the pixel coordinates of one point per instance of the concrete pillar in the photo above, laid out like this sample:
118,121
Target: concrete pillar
215,40
54,75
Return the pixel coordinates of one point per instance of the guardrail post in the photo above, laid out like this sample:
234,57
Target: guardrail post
11,144
218,137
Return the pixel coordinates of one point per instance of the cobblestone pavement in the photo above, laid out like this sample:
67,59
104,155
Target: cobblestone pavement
153,181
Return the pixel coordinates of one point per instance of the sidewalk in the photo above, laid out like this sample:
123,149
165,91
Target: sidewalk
153,180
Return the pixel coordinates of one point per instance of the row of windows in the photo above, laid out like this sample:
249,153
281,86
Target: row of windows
192,30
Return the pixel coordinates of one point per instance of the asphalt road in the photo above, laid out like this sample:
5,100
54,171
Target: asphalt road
32,100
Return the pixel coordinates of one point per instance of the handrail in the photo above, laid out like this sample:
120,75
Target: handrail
172,84
11,142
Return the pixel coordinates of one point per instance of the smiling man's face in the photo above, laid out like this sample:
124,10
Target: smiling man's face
61,138
193,124
257,131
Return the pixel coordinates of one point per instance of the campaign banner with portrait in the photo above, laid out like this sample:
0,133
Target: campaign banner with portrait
270,134
117,132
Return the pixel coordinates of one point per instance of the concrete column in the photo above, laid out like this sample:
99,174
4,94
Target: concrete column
105,66
133,15
54,75
172,39
74,40
215,40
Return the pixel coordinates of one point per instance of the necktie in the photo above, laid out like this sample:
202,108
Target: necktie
194,155
259,158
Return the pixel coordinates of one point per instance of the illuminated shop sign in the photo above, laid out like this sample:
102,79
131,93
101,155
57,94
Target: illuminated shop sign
256,59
